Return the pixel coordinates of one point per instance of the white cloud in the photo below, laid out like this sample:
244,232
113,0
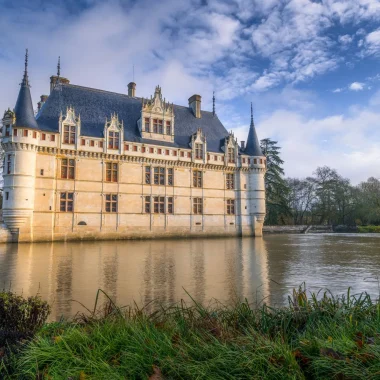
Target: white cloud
345,40
337,90
356,86
372,42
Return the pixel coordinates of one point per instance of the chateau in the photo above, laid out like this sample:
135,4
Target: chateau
94,164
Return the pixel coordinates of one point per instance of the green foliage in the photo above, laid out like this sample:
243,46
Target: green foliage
275,186
315,337
20,317
369,229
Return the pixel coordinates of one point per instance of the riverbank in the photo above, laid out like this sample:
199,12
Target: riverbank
311,338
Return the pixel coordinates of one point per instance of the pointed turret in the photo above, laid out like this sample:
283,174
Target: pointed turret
253,145
24,106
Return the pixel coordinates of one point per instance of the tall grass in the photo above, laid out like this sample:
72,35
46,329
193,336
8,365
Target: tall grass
316,337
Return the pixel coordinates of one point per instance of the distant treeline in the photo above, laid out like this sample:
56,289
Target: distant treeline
323,198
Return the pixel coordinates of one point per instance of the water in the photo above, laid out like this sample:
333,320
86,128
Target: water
224,269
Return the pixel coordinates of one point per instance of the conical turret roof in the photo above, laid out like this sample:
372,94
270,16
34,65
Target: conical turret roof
253,145
24,106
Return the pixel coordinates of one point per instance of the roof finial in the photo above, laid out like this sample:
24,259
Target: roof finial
59,67
213,103
251,115
25,81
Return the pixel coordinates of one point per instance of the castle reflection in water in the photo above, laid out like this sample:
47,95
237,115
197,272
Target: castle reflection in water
136,271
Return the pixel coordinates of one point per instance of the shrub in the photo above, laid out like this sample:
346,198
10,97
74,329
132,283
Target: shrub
20,317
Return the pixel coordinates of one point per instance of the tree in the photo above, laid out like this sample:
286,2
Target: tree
275,186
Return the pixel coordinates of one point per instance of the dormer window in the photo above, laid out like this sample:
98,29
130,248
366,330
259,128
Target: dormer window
146,124
199,151
231,155
7,130
113,140
155,125
168,128
69,134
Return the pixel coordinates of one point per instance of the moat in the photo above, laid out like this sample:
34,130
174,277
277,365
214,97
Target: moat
259,269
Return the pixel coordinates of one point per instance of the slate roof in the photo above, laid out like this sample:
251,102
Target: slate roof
253,146
24,107
94,106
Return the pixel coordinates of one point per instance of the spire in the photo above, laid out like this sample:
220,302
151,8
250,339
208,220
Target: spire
213,103
25,79
59,68
24,106
253,145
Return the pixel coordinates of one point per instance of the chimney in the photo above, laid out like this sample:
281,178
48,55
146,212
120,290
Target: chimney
53,81
195,105
242,145
132,89
42,101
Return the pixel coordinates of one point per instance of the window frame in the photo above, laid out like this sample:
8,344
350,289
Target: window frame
113,139
66,201
111,203
230,181
197,206
68,165
158,204
198,149
69,134
112,172
230,206
198,178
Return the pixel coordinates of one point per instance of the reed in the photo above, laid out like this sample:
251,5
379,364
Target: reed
317,336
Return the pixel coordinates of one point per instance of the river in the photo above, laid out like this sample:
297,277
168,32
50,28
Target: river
262,269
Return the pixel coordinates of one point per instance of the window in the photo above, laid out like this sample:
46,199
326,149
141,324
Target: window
168,128
68,168
113,140
189,154
231,155
243,160
170,206
151,150
92,143
230,206
126,147
9,164
147,175
67,202
34,134
197,178
155,126
43,136
68,134
261,161
52,138
159,205
143,149
25,133
182,154
198,151
111,202
167,152
7,130
146,124
100,144
160,127
147,205
159,176
208,157
135,148
230,181
175,153
255,161
159,151
14,131
83,142
170,177
42,172
215,158
197,205
111,172
6,195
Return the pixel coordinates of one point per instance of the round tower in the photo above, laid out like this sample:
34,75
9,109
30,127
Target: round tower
256,180
19,142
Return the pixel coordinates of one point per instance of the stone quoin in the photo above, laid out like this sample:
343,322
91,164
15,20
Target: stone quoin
94,164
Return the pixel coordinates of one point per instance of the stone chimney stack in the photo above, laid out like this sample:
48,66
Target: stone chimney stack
242,145
132,89
42,101
195,105
54,79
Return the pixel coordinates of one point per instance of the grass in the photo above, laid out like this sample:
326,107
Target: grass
369,229
315,337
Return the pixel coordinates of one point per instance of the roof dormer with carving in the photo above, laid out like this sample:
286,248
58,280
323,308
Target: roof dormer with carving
199,145
69,128
157,118
231,149
113,134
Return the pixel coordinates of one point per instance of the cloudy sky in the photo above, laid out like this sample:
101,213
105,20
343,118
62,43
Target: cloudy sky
311,67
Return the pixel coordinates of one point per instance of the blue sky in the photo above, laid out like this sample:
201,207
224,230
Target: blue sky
311,68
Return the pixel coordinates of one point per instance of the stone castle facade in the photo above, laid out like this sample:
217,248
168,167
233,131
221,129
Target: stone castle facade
94,164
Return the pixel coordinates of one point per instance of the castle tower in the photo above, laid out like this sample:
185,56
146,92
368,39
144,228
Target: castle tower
256,183
19,141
